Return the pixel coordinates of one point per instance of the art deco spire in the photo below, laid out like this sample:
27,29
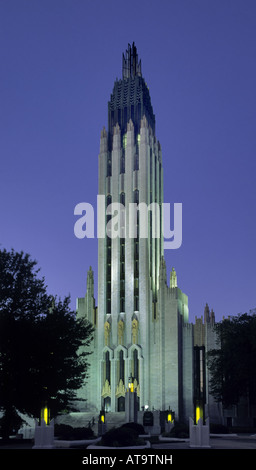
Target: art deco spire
131,65
130,98
173,278
206,313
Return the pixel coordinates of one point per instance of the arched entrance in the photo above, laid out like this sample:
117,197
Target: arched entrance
107,404
121,404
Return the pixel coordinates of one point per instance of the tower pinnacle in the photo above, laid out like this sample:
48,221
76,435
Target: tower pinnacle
173,278
131,65
130,98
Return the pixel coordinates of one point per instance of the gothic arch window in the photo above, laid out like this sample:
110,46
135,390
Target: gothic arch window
107,367
108,267
121,366
106,374
135,358
135,365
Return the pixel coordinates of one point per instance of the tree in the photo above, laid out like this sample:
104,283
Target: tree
43,347
22,293
60,365
233,366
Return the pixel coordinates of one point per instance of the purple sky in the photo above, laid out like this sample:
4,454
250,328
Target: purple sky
59,60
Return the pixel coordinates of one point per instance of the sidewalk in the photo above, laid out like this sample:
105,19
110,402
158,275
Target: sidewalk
242,441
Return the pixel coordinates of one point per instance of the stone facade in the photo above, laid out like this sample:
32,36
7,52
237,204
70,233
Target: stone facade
142,330
141,324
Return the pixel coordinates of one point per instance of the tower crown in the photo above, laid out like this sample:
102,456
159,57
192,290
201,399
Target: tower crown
130,98
131,65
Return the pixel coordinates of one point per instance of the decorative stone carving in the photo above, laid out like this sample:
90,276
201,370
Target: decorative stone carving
144,121
117,129
120,389
107,332
135,331
106,390
130,126
173,279
120,332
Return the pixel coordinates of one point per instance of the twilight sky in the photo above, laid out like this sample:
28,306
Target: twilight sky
59,60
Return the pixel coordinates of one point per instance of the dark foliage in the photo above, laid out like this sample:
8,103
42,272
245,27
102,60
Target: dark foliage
66,432
42,346
120,437
135,427
180,430
63,431
233,366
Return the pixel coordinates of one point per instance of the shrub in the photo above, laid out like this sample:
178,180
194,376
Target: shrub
136,427
66,432
120,437
180,430
82,433
63,431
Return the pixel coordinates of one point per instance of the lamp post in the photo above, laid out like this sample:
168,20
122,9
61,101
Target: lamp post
131,404
102,426
44,430
45,414
131,384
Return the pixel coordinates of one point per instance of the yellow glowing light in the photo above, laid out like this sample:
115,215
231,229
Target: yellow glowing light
45,415
138,139
124,140
131,386
169,418
102,418
199,413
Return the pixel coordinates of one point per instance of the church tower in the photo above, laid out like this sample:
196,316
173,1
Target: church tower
139,320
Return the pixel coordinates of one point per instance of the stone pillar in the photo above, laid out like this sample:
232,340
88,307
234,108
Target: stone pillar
44,435
131,406
199,434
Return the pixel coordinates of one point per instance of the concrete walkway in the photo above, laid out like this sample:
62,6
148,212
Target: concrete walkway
242,441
